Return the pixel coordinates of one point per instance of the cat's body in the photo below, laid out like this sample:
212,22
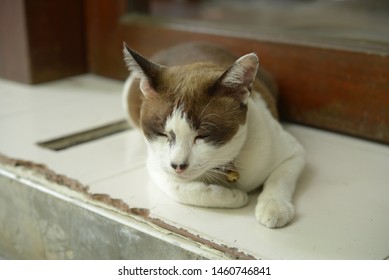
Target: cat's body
202,120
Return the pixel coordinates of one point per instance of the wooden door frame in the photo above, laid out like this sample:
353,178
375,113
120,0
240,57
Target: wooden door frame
330,88
42,40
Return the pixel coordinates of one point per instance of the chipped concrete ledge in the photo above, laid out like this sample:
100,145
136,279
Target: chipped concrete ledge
51,216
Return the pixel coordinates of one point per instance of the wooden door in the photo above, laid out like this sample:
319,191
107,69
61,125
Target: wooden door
336,85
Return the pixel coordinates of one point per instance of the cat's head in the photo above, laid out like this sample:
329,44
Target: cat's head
193,116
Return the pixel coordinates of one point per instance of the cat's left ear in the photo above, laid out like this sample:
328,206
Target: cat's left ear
142,68
240,76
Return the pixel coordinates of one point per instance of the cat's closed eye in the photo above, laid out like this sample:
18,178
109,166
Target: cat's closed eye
201,137
170,136
161,134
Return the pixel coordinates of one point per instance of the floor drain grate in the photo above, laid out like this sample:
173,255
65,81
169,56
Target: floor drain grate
89,135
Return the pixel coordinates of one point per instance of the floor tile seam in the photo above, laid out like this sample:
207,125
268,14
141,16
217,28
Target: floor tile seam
342,140
119,173
38,109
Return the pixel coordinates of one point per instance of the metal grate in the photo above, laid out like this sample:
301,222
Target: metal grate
75,139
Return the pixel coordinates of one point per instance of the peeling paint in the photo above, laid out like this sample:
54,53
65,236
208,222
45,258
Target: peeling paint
142,213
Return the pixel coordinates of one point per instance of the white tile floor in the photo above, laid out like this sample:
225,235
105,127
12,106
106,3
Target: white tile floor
341,202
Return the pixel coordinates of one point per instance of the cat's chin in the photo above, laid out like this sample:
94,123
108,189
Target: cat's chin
187,175
199,175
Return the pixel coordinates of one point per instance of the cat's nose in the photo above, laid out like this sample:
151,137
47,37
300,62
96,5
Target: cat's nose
179,168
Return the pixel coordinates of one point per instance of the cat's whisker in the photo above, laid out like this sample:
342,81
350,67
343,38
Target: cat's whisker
204,124
211,115
202,112
235,108
212,177
215,165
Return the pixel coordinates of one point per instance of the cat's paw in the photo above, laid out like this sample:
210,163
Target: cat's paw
240,198
230,198
274,213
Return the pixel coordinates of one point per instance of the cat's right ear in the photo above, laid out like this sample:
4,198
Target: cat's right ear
143,69
240,76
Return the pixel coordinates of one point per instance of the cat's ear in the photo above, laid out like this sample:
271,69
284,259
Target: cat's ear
143,69
240,76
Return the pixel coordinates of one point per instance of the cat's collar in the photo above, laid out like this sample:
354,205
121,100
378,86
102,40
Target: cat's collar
231,174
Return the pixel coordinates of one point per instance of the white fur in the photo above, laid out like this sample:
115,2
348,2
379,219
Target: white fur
187,187
263,153
273,157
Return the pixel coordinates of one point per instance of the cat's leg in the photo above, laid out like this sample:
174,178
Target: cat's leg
274,206
206,195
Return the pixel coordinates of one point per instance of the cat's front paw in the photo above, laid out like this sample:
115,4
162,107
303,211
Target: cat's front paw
239,198
226,198
274,213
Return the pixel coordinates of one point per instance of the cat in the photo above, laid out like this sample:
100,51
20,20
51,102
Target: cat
211,128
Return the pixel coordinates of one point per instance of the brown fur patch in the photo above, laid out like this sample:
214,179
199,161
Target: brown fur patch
215,117
189,84
153,115
193,52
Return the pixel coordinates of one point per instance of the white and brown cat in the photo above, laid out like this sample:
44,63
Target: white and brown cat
211,128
